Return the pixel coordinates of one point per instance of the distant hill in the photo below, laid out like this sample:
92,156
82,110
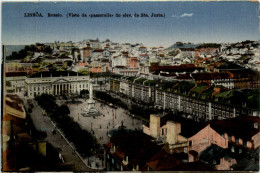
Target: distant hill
8,49
183,45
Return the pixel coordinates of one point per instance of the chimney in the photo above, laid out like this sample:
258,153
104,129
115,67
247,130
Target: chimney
173,130
155,125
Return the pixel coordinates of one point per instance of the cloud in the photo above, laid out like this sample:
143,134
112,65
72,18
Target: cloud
184,15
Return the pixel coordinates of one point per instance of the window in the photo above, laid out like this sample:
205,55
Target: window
204,140
244,142
256,125
162,132
232,149
185,149
190,143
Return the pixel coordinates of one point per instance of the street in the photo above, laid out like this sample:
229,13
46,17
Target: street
57,139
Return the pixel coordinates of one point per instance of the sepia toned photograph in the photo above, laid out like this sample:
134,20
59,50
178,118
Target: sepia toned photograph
108,86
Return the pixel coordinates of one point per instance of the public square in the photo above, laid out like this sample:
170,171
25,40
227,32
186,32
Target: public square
110,118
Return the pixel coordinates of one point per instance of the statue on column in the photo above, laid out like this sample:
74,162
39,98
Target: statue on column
90,110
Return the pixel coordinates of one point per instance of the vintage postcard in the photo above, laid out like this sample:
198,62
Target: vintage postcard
130,86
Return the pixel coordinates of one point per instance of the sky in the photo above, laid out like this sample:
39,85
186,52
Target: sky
195,22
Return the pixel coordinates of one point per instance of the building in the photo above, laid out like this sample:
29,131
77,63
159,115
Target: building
220,143
216,78
18,67
15,82
85,53
59,83
115,85
203,103
13,122
128,151
241,132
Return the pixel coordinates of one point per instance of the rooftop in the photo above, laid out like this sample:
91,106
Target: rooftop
241,127
186,131
13,74
134,144
55,74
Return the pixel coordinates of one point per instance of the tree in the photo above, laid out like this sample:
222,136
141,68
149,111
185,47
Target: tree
69,63
48,50
63,110
83,93
47,102
8,84
84,71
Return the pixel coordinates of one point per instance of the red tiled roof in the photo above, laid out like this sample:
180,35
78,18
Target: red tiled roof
210,76
242,127
181,67
136,145
163,161
99,50
82,64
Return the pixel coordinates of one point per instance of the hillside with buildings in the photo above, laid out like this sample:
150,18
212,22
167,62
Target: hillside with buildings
187,107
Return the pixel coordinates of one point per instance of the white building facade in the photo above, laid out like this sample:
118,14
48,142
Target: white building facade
56,83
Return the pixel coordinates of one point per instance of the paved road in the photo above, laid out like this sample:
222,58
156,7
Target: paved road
56,139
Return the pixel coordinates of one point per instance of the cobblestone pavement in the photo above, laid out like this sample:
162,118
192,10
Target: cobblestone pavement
57,140
110,119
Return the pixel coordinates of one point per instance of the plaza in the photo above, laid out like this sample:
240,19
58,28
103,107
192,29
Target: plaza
111,118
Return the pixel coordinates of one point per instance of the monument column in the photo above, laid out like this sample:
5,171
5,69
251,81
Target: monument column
91,110
90,91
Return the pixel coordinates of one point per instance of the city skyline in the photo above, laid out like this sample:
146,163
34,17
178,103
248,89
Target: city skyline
195,22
